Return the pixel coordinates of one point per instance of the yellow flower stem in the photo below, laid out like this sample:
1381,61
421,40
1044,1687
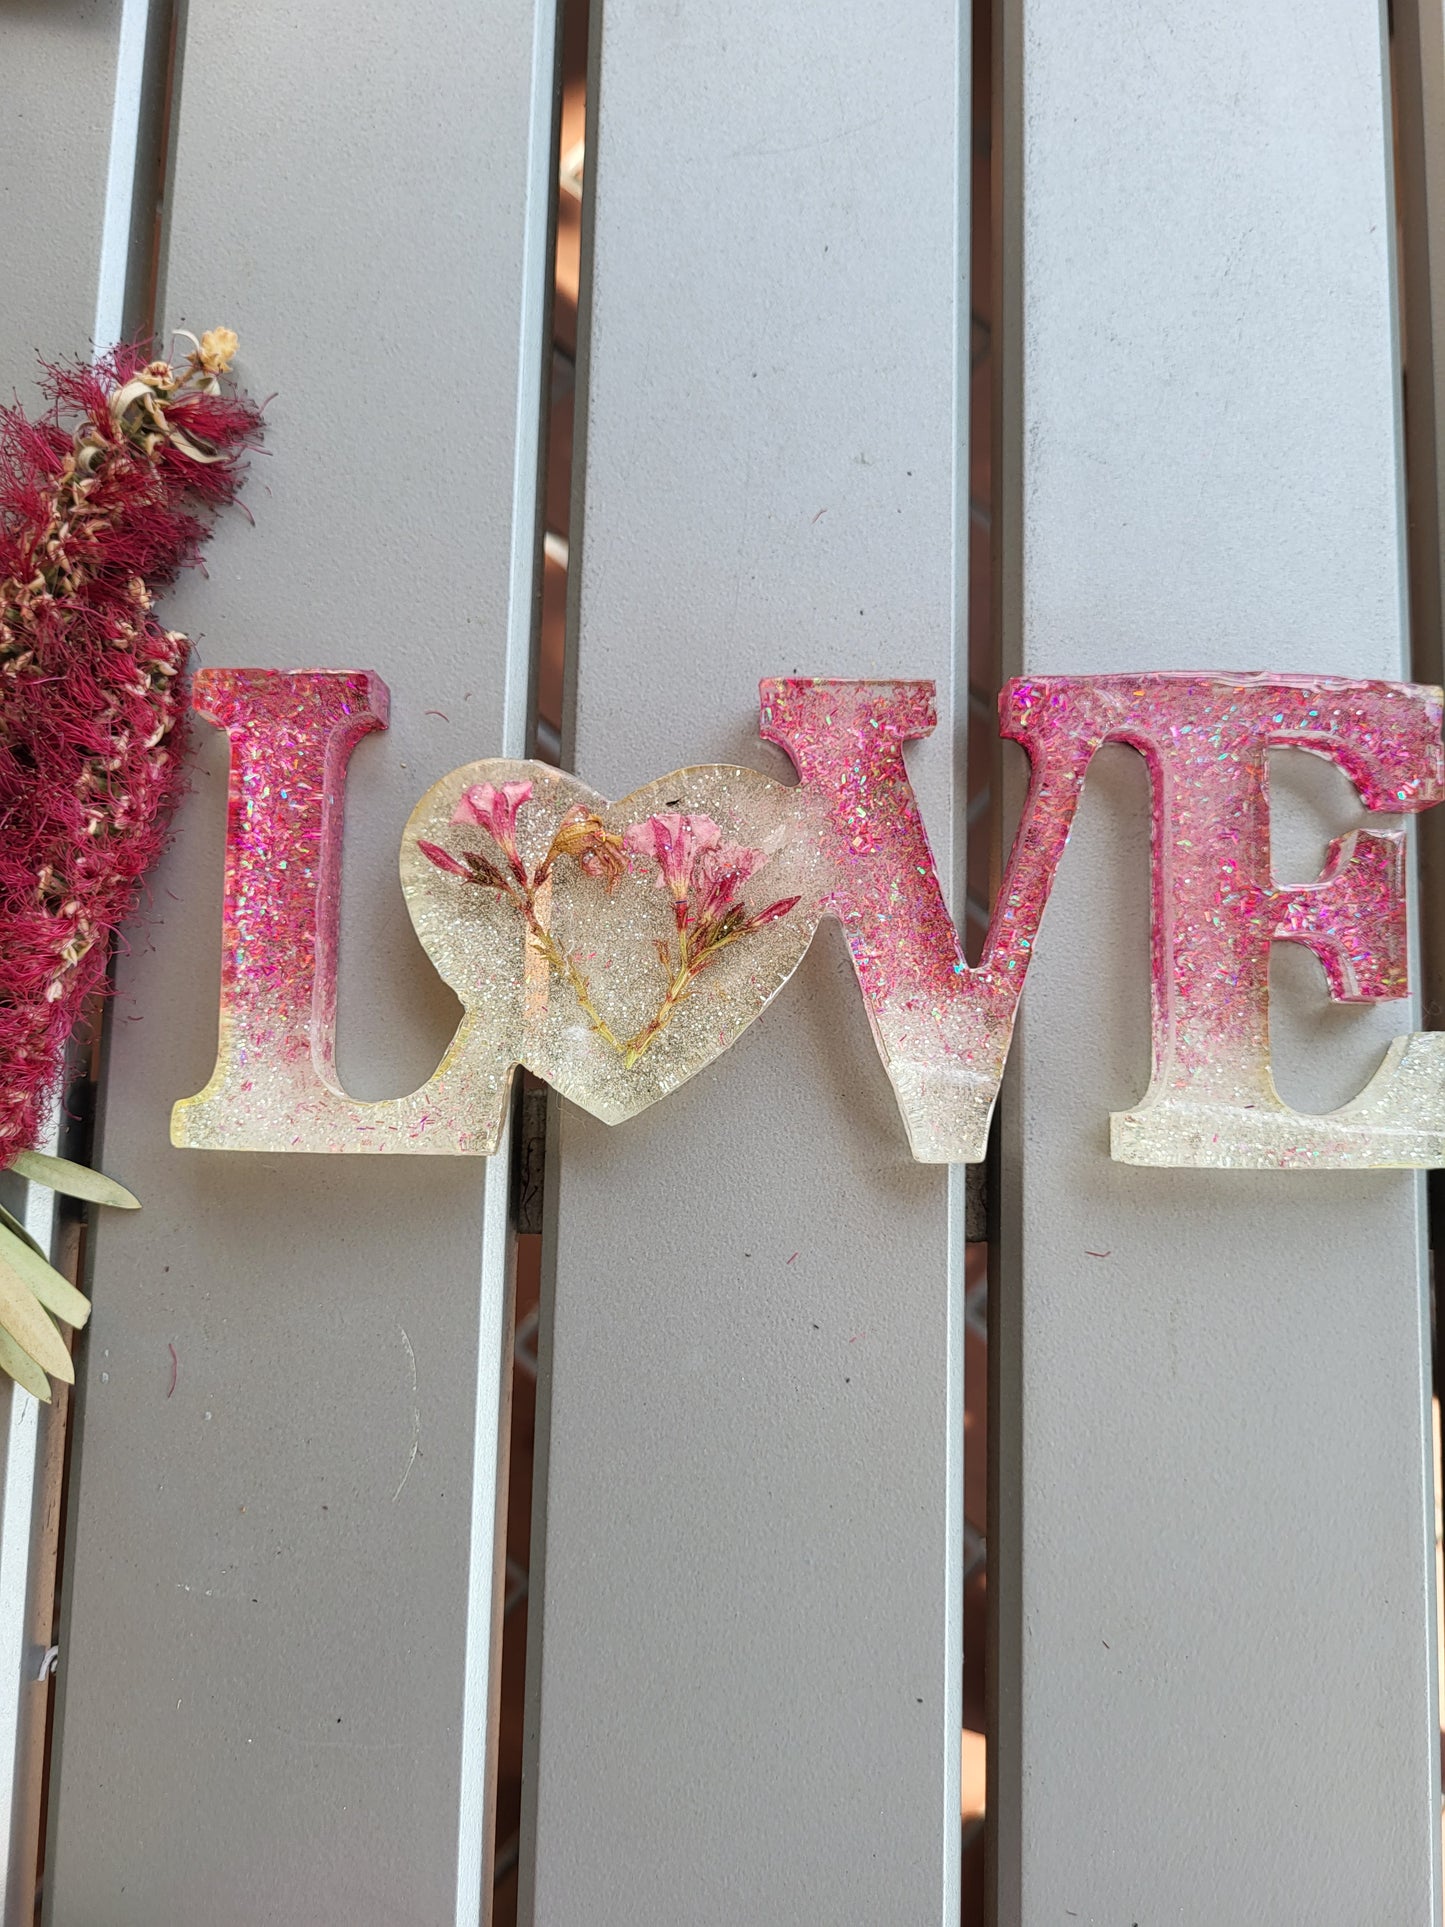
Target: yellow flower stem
690,968
563,965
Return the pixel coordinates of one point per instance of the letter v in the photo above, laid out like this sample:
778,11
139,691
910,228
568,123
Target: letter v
941,1025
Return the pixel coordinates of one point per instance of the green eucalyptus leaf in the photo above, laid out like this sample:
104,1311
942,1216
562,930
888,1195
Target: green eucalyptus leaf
9,1218
51,1287
23,1369
23,1317
75,1180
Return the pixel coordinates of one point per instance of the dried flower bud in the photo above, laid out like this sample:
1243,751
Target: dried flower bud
773,911
434,853
217,350
584,837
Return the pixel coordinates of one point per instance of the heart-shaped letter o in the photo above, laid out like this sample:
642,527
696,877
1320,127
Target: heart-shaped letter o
590,965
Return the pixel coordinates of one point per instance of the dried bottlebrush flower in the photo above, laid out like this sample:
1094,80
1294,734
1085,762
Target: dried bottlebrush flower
98,500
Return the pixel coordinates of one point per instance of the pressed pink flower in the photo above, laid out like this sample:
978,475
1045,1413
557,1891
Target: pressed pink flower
721,874
774,910
495,810
492,808
437,855
674,841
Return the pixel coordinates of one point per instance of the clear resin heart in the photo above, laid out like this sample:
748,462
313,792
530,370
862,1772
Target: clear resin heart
613,948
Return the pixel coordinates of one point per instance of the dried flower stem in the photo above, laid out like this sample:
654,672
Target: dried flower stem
565,968
524,895
692,961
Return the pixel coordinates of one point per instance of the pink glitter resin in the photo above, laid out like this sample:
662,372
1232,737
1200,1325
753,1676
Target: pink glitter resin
274,1087
1217,909
852,840
943,1029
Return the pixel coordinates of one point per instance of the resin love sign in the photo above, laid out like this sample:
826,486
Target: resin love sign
616,949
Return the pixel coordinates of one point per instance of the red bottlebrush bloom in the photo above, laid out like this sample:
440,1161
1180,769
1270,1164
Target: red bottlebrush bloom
98,500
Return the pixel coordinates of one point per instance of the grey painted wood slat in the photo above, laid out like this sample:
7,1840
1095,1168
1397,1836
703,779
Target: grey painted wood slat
1212,1555
1418,73
745,1695
74,128
275,1686
61,69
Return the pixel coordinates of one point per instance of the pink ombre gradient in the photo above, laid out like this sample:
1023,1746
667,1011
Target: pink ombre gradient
275,1085
944,1028
855,838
